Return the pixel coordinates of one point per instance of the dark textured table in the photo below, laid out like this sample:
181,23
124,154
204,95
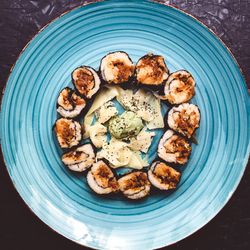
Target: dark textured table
19,21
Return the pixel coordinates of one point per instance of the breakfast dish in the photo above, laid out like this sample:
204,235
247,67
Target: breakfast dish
121,124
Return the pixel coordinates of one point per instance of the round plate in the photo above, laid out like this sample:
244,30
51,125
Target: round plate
62,199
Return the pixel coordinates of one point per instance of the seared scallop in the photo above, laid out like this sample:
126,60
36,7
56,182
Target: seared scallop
134,185
174,148
116,68
151,70
69,104
68,132
101,179
86,81
163,176
79,159
184,119
179,87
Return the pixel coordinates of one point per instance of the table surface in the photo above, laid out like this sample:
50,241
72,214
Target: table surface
19,21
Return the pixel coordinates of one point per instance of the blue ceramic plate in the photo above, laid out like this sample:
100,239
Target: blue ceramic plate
62,199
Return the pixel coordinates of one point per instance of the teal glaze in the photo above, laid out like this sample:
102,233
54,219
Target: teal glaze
61,199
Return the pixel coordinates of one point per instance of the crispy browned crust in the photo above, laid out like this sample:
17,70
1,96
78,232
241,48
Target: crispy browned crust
158,69
166,175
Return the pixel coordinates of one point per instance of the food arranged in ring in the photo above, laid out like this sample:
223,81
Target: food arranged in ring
117,115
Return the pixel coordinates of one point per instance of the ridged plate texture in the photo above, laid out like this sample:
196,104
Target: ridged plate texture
62,199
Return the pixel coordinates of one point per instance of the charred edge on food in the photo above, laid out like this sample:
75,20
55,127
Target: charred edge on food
76,104
102,179
181,94
68,132
174,148
91,83
163,176
182,131
79,159
153,83
124,83
138,181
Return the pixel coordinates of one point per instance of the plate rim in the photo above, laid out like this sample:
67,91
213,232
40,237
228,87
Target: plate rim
244,164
